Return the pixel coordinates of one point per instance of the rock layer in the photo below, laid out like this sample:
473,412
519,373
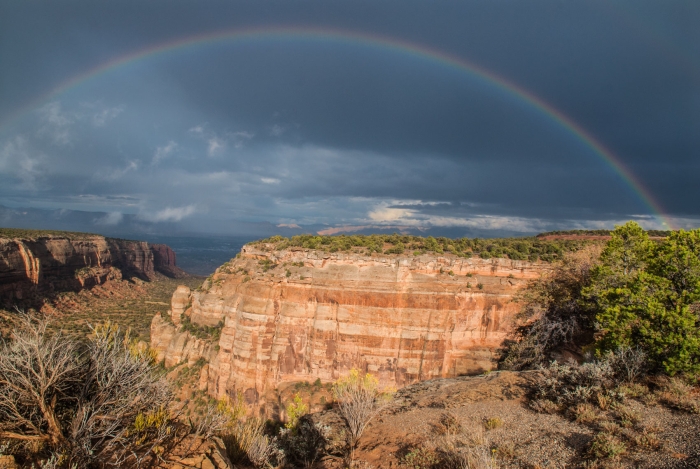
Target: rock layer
48,263
298,314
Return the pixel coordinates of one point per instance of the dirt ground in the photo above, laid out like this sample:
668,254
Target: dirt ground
492,411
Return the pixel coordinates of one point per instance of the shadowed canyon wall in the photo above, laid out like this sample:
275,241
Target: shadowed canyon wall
300,314
45,263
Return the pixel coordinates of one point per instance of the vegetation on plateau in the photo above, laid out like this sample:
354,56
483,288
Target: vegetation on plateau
35,234
531,248
651,233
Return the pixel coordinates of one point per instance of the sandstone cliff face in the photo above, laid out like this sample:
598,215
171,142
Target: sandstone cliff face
48,263
299,314
165,262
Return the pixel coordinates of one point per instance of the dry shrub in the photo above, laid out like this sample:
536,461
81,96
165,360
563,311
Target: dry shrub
463,452
584,413
468,449
604,464
628,363
553,315
650,399
607,426
422,457
214,420
261,449
633,390
448,424
244,438
570,383
648,439
682,403
506,450
628,416
359,399
308,441
678,394
493,423
545,406
604,401
96,403
607,446
360,465
677,386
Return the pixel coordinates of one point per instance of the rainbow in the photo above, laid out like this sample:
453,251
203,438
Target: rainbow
375,41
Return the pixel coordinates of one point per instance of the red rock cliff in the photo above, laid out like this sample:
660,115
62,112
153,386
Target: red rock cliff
44,262
165,262
299,314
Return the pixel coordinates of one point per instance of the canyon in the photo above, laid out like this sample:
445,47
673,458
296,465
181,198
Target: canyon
34,264
272,317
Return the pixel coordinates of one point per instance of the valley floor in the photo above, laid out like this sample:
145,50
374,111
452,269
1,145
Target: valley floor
128,303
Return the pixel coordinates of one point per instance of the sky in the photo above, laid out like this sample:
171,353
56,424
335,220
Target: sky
471,117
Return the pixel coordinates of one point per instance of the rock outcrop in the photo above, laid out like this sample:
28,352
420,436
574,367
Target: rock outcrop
165,262
46,263
300,314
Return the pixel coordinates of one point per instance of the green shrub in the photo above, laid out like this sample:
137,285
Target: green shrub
295,410
646,295
639,294
532,248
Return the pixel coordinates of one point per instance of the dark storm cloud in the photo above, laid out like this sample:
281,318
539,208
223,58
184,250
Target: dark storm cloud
331,132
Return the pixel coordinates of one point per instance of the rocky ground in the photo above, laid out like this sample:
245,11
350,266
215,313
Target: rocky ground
491,414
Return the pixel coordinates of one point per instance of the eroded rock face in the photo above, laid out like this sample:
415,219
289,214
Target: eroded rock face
48,263
165,261
174,347
301,314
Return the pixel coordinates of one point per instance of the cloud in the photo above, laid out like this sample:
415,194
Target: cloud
198,129
18,159
244,134
421,215
270,180
100,118
218,142
56,124
215,145
355,228
113,174
390,214
163,152
171,214
277,130
413,216
111,219
240,137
